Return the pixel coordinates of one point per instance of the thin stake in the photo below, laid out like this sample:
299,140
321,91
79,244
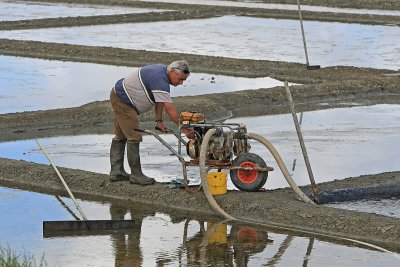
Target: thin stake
303,147
63,181
315,67
302,32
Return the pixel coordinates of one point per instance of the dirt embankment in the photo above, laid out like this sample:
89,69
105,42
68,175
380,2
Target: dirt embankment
278,207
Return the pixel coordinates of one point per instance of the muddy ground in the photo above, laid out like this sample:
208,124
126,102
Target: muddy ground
276,208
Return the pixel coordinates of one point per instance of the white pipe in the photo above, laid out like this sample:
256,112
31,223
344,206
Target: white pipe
265,142
203,175
281,165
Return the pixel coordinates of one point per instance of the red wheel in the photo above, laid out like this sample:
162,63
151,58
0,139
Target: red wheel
249,180
247,177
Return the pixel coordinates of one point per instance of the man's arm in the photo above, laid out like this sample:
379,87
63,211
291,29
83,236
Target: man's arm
159,111
171,112
174,116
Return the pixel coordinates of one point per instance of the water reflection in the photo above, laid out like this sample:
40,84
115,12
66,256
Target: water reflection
70,84
241,37
24,10
162,239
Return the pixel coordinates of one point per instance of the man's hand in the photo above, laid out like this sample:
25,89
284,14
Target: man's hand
189,133
161,126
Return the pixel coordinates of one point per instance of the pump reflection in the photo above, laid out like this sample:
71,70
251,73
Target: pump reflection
213,246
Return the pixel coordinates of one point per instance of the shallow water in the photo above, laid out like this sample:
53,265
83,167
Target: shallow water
341,143
163,238
328,43
25,10
387,207
71,84
256,4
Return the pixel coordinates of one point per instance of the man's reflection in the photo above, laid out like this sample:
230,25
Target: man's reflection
126,242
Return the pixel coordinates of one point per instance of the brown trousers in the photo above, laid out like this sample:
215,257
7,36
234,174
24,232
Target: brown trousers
126,119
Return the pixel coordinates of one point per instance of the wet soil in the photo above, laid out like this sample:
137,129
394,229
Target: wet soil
276,208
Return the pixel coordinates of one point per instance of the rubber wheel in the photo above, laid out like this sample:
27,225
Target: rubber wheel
249,181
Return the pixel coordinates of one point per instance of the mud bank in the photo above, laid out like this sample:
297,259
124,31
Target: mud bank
277,208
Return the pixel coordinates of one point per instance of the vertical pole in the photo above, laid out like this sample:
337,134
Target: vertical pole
302,32
303,147
315,67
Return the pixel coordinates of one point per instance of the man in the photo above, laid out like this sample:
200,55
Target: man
137,93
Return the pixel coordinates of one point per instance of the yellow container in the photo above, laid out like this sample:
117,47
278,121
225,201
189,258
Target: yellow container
218,234
217,182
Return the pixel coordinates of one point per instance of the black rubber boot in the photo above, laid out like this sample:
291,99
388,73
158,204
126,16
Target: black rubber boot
117,153
137,176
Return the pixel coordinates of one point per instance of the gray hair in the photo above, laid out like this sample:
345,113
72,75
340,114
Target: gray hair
180,66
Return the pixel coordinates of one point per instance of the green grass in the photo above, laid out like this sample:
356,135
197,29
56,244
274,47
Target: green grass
9,258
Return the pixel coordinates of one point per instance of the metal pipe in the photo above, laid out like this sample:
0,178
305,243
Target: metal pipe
170,148
63,181
303,147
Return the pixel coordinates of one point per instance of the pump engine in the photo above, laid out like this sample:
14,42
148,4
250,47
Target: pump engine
228,148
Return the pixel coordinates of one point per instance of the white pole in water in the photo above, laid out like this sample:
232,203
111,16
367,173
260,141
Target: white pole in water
63,182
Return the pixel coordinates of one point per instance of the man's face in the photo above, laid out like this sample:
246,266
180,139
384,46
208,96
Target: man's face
177,78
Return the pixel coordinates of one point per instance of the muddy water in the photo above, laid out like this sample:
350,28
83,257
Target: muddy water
340,142
24,10
254,4
162,238
71,84
241,37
